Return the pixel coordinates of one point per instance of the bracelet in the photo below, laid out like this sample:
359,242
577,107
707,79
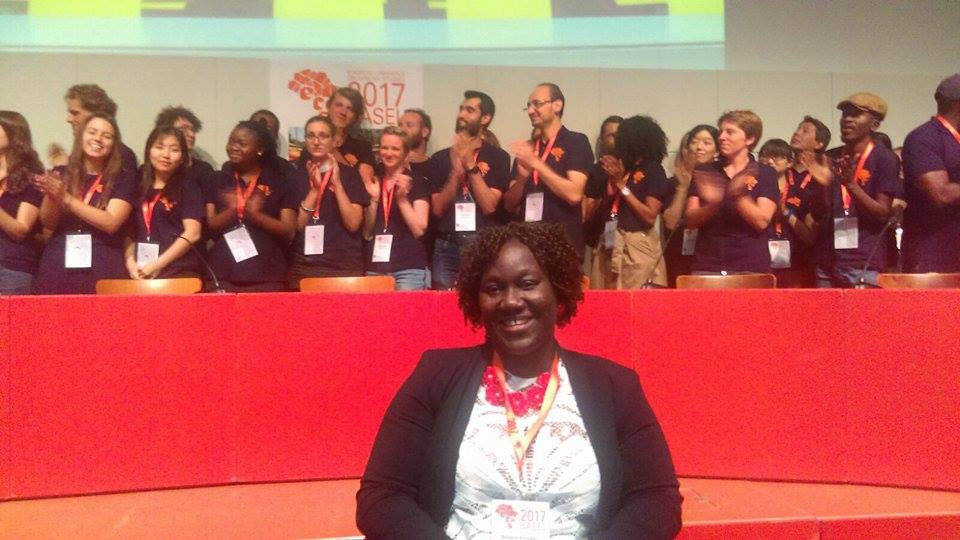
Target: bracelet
184,238
307,210
625,191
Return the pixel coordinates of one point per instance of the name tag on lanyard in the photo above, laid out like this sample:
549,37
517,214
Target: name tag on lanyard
520,519
240,243
689,242
147,252
779,253
313,240
609,233
382,245
78,252
465,217
846,235
533,209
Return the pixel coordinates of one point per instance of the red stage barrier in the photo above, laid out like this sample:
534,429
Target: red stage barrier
102,394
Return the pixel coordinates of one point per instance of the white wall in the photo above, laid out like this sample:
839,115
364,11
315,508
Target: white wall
224,90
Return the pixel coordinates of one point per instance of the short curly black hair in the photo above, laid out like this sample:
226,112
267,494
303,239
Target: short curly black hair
168,115
550,247
640,139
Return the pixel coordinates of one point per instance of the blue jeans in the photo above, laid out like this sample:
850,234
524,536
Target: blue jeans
15,282
842,277
412,279
446,262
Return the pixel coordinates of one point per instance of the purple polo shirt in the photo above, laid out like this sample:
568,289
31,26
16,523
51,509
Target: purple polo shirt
497,177
356,151
570,152
270,264
342,249
931,234
884,170
645,180
727,243
166,224
107,261
407,251
20,255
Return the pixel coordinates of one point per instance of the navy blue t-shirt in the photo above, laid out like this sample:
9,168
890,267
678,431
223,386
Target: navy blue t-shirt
727,243
882,175
570,152
342,249
166,224
801,194
647,179
107,261
491,159
270,264
22,255
407,252
931,233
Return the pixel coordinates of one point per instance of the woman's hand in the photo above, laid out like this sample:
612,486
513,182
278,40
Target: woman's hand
132,268
254,204
710,189
51,185
404,184
149,270
335,179
614,169
373,188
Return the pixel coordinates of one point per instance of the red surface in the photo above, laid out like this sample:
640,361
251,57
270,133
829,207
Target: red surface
120,393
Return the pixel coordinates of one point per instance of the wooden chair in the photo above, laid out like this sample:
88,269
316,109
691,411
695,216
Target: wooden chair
731,281
149,286
364,284
930,280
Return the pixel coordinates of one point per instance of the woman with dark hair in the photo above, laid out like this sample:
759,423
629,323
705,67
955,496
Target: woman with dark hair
251,214
85,206
396,219
732,202
169,212
635,192
593,196
698,146
19,205
345,107
328,241
519,425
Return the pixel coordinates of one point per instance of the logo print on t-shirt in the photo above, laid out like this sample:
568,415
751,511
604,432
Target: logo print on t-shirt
265,189
863,176
750,182
638,176
557,153
351,160
168,205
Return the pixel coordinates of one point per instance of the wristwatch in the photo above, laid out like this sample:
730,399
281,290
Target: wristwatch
625,191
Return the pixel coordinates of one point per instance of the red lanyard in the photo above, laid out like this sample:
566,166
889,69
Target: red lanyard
96,187
244,195
778,226
847,200
543,157
324,180
386,193
147,208
950,128
521,444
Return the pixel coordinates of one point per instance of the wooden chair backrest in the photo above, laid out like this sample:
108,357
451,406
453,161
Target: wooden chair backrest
348,284
731,281
919,281
149,286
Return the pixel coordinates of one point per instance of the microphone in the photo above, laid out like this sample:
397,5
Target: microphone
216,282
896,216
649,284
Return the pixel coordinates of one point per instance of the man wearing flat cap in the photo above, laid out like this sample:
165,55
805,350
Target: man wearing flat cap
860,187
931,165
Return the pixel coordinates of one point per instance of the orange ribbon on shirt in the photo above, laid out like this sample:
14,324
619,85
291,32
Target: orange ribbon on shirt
96,187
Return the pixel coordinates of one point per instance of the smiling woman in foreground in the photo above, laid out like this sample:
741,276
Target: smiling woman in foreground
519,435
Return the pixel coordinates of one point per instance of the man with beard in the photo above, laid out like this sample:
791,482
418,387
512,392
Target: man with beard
860,189
468,180
417,125
550,173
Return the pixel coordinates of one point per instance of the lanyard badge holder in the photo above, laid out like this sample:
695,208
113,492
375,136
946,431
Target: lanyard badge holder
383,243
238,239
313,235
78,247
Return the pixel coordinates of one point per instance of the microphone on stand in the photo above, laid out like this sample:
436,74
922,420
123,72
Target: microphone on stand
896,216
216,282
649,284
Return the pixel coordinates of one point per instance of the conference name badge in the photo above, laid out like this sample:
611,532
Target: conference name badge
78,251
845,233
779,253
465,217
382,244
313,240
609,233
689,242
147,252
519,519
533,209
240,244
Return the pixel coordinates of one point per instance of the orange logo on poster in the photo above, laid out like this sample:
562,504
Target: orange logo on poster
265,189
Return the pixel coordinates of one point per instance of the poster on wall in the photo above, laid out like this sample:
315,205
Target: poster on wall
300,89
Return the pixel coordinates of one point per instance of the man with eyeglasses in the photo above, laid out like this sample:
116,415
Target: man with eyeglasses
550,172
468,180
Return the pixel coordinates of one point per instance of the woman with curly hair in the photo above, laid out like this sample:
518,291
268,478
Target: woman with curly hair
19,205
85,206
519,425
635,193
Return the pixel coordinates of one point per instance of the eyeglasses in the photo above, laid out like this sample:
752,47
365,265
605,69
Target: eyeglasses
318,136
536,104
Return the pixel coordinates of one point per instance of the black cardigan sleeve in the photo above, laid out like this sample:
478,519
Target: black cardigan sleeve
387,502
650,496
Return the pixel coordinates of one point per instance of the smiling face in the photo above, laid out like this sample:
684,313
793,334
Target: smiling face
341,112
166,154
856,124
392,153
702,147
733,140
98,139
518,306
188,129
243,147
318,140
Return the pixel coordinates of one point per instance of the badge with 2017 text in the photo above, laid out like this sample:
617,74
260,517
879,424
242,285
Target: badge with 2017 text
520,519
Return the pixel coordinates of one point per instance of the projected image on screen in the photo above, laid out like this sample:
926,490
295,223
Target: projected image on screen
611,33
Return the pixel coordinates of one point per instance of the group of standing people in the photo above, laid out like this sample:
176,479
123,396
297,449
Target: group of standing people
813,216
